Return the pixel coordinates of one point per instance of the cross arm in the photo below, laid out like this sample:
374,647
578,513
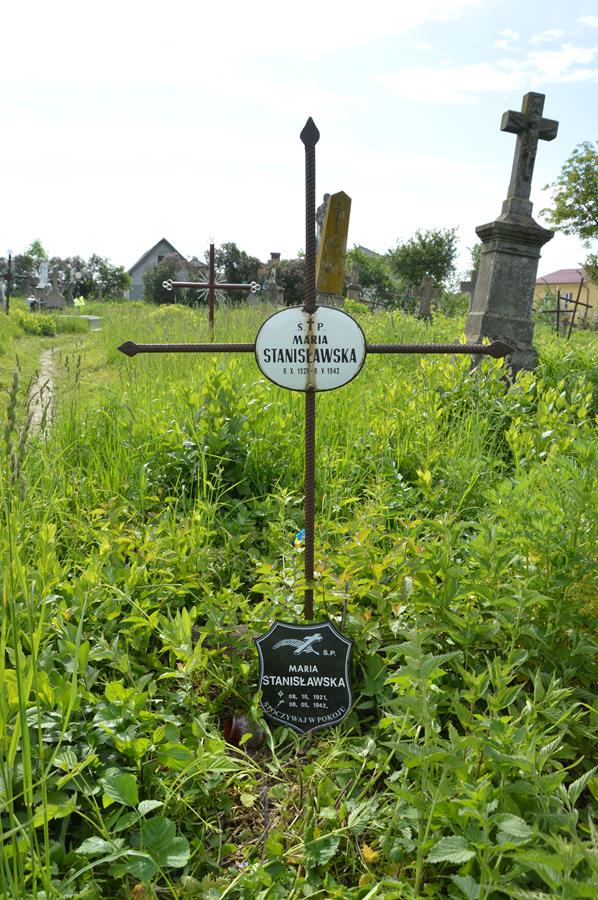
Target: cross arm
515,122
218,285
130,348
496,349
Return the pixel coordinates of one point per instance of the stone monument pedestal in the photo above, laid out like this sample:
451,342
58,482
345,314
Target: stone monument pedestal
501,307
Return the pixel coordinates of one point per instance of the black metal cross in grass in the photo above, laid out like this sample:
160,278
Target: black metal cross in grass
212,286
312,349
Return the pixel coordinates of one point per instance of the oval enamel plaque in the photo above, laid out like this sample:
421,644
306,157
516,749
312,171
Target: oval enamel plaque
301,351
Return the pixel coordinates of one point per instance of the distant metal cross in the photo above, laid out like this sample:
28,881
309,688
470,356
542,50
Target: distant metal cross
212,286
559,310
298,350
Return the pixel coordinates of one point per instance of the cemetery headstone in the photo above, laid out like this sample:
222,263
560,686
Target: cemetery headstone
332,249
273,292
501,307
427,294
42,276
304,675
55,298
468,287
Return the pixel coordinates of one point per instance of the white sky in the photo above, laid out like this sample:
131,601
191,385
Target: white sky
124,122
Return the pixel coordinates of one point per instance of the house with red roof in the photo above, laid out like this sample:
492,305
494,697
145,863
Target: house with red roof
572,284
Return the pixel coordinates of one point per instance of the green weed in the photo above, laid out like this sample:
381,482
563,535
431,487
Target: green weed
147,538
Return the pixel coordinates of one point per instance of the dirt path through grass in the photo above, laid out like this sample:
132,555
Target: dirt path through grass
41,394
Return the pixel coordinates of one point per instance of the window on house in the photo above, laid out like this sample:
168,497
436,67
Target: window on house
160,258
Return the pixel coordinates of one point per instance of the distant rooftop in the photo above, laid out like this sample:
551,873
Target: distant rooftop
563,276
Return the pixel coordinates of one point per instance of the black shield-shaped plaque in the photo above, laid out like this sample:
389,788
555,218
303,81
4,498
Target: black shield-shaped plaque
304,675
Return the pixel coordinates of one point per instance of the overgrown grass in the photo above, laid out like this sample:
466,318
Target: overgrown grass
148,537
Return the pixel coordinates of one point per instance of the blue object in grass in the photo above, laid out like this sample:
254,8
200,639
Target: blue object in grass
300,539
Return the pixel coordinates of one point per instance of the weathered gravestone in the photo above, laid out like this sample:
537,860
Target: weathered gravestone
272,292
502,303
332,248
468,287
304,668
427,294
55,298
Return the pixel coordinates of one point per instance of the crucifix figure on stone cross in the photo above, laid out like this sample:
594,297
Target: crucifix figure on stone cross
530,127
311,349
211,285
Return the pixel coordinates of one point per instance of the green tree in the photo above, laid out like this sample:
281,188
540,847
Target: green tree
374,275
167,269
26,266
236,267
574,207
290,275
475,255
36,252
109,280
428,253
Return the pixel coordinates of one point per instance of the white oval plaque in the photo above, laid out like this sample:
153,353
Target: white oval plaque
321,350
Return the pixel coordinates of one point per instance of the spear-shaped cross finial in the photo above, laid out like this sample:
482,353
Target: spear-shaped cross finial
310,134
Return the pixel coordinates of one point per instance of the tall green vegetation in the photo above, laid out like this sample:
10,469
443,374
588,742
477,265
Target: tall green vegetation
147,537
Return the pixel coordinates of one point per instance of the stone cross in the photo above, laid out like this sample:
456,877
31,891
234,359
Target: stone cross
530,127
343,363
468,287
501,306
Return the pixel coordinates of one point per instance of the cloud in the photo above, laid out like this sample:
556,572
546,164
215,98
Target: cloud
589,21
464,84
508,39
147,43
551,34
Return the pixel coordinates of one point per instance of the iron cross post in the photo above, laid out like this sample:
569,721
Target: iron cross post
311,349
212,286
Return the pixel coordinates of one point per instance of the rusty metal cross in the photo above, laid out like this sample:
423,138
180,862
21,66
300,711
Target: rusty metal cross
302,348
212,286
559,310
